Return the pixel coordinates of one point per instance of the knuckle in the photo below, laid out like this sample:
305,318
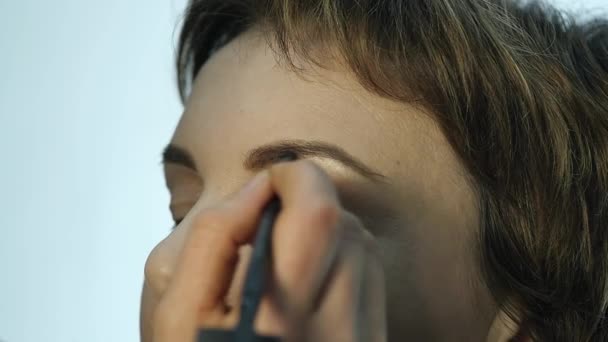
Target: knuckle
354,231
157,270
351,220
324,212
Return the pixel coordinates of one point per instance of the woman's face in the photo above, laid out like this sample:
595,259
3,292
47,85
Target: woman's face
390,162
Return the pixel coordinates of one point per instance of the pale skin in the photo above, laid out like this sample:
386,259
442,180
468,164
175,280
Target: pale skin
416,226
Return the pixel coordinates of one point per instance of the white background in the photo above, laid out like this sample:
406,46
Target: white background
87,102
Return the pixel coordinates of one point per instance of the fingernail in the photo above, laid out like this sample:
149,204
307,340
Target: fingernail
254,183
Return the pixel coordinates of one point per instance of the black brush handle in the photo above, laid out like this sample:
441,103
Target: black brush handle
255,282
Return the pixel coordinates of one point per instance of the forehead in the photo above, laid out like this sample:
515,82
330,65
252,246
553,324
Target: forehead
242,91
243,98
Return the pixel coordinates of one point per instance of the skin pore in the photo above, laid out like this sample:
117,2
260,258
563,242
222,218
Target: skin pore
408,188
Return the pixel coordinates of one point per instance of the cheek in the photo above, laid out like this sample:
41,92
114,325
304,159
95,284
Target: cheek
430,283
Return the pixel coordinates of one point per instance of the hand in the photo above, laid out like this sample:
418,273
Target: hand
326,285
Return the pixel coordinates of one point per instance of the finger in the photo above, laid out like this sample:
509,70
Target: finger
338,305
306,229
277,320
373,303
370,297
301,180
207,261
271,320
339,300
351,236
234,294
233,298
353,307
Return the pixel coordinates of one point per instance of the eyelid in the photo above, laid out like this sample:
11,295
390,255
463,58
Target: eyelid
177,175
185,187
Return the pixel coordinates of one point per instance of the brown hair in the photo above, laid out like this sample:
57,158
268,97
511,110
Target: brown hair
521,92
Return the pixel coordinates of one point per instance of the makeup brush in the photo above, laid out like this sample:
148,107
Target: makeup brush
255,281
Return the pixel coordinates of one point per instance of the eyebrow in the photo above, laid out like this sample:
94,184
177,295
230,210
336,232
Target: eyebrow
265,155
